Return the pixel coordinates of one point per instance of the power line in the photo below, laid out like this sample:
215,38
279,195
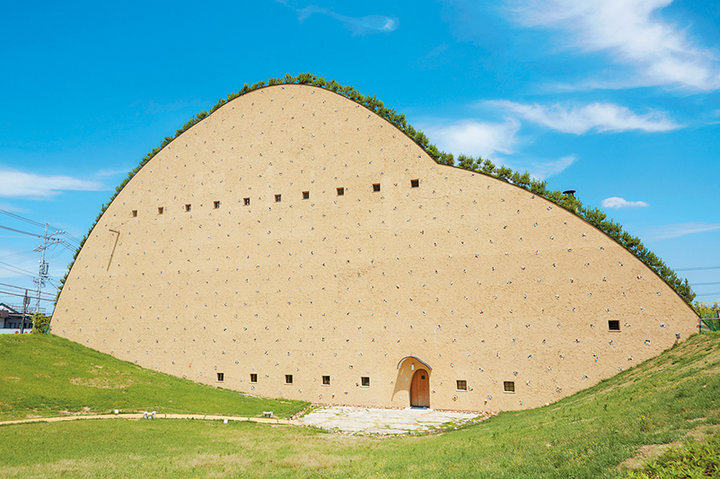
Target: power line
70,238
15,269
22,218
69,246
37,223
18,253
22,296
20,231
49,240
11,286
709,294
705,284
20,288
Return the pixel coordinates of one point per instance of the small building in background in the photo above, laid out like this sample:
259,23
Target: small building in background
11,320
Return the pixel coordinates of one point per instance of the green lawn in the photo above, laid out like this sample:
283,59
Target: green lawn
45,375
691,458
584,436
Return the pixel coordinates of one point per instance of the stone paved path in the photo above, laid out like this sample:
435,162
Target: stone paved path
358,420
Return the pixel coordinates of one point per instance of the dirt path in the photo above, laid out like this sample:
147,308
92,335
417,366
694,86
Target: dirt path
136,416
353,420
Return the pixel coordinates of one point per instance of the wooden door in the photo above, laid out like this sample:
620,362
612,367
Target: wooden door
420,389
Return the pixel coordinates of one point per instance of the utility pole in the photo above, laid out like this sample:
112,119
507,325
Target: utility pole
26,303
48,240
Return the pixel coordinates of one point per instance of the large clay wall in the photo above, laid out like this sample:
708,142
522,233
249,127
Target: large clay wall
481,281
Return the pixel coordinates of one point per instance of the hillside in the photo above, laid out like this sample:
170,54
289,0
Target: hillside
587,435
45,375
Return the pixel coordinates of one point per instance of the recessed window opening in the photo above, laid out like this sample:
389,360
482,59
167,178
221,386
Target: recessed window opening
614,325
246,201
288,379
187,207
216,204
253,377
340,191
161,210
461,385
306,195
220,377
376,186
509,386
414,183
326,380
134,213
278,198
365,381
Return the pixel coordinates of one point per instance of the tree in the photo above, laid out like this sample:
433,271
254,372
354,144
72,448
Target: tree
41,323
707,310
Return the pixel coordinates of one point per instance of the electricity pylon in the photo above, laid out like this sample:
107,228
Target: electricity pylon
48,240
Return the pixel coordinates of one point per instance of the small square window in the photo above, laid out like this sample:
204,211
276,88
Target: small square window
365,381
614,325
216,204
414,183
376,186
161,210
187,207
253,377
326,380
220,377
306,195
340,191
278,198
246,201
462,385
134,213
288,379
509,386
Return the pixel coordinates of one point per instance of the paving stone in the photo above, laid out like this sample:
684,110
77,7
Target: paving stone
382,421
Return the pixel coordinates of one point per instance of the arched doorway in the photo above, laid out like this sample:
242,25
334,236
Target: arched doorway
420,389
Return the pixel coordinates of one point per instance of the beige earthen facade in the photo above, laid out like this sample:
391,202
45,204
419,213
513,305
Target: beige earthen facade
294,244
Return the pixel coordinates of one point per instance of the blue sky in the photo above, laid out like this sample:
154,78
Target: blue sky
618,99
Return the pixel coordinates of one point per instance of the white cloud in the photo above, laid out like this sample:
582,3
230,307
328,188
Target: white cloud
475,138
106,173
17,264
595,116
9,207
681,229
551,168
633,34
357,25
19,184
615,202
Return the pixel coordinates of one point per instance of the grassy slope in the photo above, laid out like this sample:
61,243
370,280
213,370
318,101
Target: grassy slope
45,375
691,458
584,436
